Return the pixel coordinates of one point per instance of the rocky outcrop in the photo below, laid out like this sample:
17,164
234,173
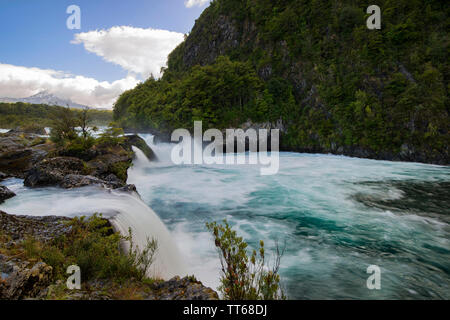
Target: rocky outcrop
187,288
41,228
176,288
69,172
140,143
75,181
53,171
5,193
20,151
23,280
42,163
106,166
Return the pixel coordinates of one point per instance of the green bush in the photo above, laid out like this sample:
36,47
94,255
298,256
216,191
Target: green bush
112,136
244,277
79,147
120,170
92,245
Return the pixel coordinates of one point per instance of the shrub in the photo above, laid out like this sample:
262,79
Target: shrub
243,277
143,259
112,136
120,169
95,248
79,148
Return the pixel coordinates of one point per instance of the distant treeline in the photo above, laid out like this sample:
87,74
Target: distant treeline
13,115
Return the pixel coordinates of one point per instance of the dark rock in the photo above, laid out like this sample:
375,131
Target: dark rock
75,181
20,151
5,193
187,288
113,180
128,188
52,171
3,176
115,162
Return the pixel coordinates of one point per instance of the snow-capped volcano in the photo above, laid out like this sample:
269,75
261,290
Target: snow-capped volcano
44,97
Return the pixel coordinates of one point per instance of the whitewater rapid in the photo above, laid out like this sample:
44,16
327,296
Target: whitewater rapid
337,215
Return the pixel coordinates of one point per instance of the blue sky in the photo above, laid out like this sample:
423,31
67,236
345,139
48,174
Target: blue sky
34,35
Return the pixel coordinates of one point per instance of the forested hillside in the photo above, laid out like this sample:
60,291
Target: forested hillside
336,85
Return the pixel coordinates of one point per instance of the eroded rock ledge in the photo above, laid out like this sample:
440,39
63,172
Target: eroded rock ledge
23,279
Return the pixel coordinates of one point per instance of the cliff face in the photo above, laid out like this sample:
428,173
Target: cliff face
336,85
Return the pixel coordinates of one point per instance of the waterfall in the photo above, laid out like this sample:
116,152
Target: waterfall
124,210
162,150
145,224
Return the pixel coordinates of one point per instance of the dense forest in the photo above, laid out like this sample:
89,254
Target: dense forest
335,85
21,114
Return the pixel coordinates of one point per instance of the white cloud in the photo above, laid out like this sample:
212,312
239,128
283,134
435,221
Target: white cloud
137,50
193,3
20,82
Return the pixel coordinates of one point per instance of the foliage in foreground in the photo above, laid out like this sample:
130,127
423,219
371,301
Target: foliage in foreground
244,277
92,245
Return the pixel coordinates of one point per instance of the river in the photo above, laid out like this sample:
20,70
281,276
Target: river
336,215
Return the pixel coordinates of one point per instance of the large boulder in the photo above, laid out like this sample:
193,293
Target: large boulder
5,193
20,151
53,171
114,163
68,172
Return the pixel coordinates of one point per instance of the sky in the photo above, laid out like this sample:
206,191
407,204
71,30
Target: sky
119,44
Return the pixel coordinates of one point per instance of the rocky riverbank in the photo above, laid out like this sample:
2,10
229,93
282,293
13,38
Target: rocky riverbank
33,250
43,163
22,277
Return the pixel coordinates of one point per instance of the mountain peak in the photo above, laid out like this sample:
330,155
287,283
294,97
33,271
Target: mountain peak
45,97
